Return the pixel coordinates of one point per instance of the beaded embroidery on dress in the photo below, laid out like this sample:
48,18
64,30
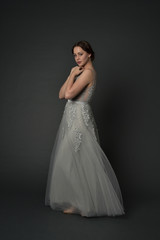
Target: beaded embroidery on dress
80,174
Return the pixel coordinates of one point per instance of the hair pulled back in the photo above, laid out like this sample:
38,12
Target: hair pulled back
86,47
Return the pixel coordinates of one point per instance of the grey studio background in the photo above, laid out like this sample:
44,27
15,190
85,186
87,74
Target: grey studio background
36,41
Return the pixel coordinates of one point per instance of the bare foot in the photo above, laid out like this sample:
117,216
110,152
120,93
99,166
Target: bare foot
69,210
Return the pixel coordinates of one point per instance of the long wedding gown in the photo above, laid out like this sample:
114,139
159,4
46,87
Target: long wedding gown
80,174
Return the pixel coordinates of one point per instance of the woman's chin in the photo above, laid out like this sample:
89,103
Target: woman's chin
81,65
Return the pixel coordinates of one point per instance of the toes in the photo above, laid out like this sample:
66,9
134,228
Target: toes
70,210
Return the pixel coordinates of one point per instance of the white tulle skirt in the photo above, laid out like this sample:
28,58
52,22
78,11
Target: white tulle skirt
80,174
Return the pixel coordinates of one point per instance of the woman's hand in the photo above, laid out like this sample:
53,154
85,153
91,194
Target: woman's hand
77,70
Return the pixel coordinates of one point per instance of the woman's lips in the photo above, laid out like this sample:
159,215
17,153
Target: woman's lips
78,62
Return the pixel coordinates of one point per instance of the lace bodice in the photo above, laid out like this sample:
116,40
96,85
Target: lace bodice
79,116
86,94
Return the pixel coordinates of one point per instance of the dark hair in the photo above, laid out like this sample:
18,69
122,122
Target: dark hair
86,47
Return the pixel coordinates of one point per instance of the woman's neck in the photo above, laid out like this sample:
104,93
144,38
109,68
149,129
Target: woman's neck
88,65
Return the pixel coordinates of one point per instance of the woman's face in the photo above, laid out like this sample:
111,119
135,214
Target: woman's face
81,57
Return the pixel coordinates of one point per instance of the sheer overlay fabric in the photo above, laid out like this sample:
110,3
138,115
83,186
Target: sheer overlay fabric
80,174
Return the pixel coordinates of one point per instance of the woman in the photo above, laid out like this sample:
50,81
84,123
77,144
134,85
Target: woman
81,179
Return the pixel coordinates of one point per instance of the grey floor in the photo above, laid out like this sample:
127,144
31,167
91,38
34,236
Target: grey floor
24,216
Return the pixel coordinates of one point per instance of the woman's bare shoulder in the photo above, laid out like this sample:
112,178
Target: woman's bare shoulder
91,71
92,74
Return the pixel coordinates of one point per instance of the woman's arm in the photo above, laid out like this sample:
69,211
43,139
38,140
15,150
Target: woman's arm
63,88
74,88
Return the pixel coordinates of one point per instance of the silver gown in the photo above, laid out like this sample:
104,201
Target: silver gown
80,174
